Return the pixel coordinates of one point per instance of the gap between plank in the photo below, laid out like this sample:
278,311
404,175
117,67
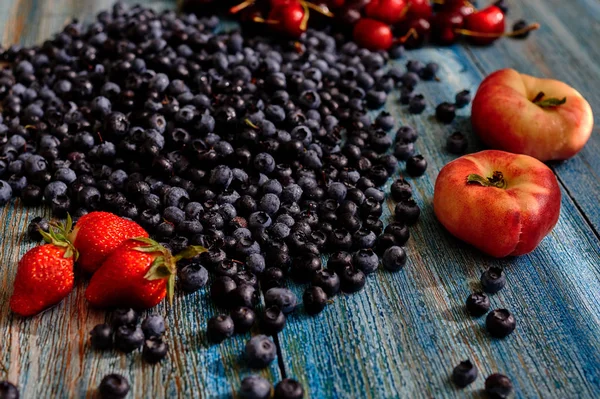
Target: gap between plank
280,361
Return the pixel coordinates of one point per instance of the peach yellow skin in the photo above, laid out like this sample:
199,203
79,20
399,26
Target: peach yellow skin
505,118
498,221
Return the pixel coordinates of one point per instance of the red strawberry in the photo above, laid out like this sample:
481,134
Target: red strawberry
138,274
97,234
45,273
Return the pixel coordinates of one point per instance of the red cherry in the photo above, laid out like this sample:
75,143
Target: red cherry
464,9
486,25
419,9
445,25
372,34
335,3
388,11
416,32
290,19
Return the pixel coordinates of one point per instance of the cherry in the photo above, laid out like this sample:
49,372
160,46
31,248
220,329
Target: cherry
463,9
445,25
372,34
335,3
419,9
486,25
290,19
348,15
420,32
388,11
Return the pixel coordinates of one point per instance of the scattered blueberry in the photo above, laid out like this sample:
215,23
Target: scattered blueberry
394,258
8,390
500,323
478,304
260,351
272,320
352,279
153,326
417,104
155,349
445,112
243,319
407,211
314,300
128,338
498,386
416,165
192,277
255,387
101,337
462,99
493,280
464,374
220,327
124,317
283,298
288,389
113,386
37,223
456,143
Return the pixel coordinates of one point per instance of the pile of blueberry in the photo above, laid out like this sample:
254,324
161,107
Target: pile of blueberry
125,335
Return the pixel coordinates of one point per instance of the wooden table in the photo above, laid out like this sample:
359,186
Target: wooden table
401,336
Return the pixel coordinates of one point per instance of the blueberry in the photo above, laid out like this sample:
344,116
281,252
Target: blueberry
500,323
403,150
462,99
407,211
155,349
220,328
409,80
414,66
244,295
221,176
394,258
478,304
101,336
124,317
272,320
314,300
8,390
456,143
260,351
153,326
400,190
366,260
255,387
498,386
65,175
406,94
305,266
417,104
328,280
465,373
37,223
385,121
128,338
192,277
54,189
255,263
492,280
269,203
283,298
375,98
445,112
288,389
243,319
113,386
501,4
264,163
416,165
352,279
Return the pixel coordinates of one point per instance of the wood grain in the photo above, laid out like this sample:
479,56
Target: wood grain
402,335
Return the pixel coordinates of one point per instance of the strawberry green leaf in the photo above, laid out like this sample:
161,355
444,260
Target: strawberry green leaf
159,270
190,252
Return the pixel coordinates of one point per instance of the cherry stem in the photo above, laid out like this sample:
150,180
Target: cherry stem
261,20
319,9
241,6
497,180
304,22
412,32
249,123
466,32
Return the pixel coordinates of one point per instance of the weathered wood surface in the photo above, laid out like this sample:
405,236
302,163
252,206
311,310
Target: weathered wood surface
402,335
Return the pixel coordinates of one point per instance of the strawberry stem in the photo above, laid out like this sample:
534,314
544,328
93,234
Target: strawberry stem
190,252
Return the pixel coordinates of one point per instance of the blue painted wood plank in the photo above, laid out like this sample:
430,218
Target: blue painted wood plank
402,336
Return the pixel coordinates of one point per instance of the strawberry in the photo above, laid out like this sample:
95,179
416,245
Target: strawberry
97,234
138,274
45,273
